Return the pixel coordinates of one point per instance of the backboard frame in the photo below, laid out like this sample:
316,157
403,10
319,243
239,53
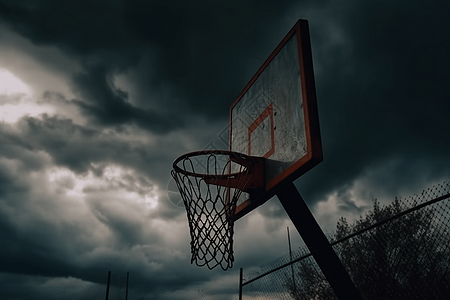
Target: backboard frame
313,154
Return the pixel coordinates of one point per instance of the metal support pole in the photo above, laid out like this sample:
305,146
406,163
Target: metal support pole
126,290
240,284
317,243
292,265
107,285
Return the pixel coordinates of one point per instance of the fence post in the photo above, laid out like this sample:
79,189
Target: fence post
126,290
292,265
240,284
107,284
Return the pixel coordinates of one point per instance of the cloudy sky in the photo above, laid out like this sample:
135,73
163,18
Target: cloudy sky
97,98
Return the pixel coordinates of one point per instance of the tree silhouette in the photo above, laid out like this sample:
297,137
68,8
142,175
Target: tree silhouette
404,258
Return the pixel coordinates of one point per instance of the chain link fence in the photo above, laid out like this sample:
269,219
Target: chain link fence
397,251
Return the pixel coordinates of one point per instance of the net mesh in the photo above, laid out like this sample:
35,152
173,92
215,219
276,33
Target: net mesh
210,206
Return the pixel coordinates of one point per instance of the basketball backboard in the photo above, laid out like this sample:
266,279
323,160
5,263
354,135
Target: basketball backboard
275,116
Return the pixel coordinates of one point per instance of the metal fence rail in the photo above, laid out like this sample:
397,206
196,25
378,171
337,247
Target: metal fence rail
398,251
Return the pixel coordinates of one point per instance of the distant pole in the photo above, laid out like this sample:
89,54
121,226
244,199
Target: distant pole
107,284
292,266
240,284
317,243
126,290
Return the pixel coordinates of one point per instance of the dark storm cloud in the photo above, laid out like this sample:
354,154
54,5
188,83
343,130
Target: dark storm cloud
201,46
79,148
35,246
197,47
79,27
57,141
109,105
382,89
51,133
49,233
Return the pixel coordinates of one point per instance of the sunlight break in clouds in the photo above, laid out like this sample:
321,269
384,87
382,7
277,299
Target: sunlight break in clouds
16,99
123,182
10,84
12,113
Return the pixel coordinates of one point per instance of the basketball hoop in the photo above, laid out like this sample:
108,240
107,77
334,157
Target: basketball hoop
210,183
